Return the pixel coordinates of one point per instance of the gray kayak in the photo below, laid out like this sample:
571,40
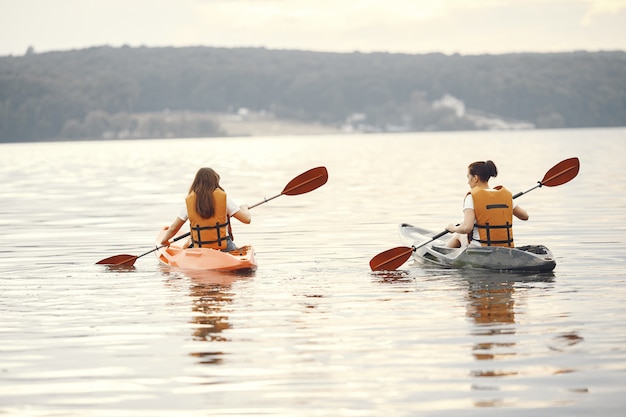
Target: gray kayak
536,258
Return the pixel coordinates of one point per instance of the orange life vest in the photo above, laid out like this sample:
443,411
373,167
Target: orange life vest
211,232
494,216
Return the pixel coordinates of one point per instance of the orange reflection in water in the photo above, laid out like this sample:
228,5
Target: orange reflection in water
211,293
492,307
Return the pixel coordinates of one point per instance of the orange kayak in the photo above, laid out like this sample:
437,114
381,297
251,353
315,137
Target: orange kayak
204,259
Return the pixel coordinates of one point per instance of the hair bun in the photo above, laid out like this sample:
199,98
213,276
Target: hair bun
491,168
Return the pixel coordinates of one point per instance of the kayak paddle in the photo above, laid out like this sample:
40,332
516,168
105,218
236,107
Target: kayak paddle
391,259
129,260
303,183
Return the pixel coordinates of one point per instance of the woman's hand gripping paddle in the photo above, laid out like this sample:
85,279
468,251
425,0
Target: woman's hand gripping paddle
391,259
303,183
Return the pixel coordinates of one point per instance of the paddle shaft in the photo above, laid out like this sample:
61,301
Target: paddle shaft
437,236
521,193
265,201
162,246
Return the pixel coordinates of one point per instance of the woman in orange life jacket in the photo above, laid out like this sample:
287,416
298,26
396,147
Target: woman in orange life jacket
208,209
487,212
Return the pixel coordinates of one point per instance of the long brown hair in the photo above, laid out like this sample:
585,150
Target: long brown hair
203,185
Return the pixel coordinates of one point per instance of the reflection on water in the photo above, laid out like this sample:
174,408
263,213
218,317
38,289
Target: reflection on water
491,306
313,331
211,294
390,277
208,302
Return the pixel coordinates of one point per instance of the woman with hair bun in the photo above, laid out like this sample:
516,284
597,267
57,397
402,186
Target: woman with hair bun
487,212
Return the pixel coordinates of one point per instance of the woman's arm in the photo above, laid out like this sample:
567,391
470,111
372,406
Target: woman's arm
520,213
172,230
468,223
243,214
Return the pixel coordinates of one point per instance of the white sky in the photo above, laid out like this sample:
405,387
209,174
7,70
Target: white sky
411,26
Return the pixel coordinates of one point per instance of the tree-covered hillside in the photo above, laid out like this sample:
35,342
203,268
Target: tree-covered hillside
156,92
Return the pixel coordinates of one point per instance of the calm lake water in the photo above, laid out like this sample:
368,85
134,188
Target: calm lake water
313,332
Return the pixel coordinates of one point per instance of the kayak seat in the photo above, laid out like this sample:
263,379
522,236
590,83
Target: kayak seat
242,251
443,249
536,249
431,257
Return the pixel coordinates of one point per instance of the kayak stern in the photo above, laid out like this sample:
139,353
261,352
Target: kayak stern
206,259
209,259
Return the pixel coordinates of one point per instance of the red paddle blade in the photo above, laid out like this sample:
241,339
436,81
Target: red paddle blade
307,181
391,259
561,173
118,260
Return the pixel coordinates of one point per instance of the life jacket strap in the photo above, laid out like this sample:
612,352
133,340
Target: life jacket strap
488,228
218,227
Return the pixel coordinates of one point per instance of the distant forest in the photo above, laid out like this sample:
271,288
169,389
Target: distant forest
106,92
